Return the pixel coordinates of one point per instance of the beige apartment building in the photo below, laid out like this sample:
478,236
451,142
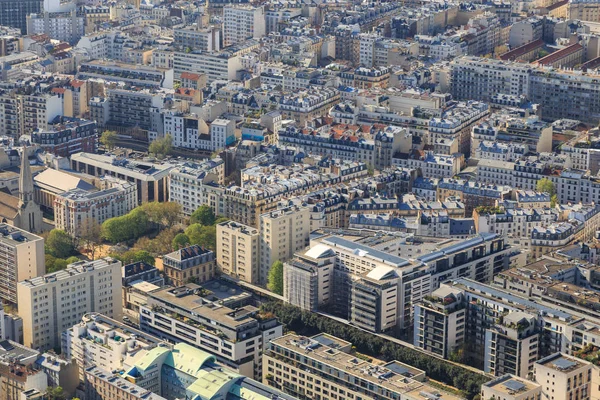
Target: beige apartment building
564,377
510,387
53,303
23,258
238,249
304,367
190,264
283,232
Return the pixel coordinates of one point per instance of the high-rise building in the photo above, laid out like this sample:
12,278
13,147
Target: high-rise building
52,303
241,22
23,253
238,251
283,232
14,12
564,377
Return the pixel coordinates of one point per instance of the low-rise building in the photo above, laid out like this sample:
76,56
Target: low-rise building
190,264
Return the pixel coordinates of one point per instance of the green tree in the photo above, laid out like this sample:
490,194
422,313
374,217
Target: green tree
180,241
126,227
204,236
161,147
109,139
59,244
203,215
370,170
553,200
55,393
545,185
133,256
275,279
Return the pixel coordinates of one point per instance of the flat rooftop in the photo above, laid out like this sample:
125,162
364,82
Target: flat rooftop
511,385
562,363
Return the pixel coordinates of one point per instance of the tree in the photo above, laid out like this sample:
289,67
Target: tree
109,139
133,256
59,244
370,170
126,227
499,50
90,236
161,147
275,279
203,236
553,200
204,215
180,241
55,393
545,185
162,214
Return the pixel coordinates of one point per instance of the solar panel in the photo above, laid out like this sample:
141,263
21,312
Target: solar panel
563,363
514,385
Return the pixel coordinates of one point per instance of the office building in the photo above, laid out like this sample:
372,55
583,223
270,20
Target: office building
52,303
24,255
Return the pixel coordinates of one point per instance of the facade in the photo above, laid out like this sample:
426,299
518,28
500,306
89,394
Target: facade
14,13
187,184
75,209
564,377
150,178
241,22
216,318
47,311
190,264
297,365
283,232
207,39
510,387
26,254
64,26
238,251
106,343
67,136
215,65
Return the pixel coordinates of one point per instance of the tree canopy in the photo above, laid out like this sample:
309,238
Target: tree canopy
275,278
204,236
109,139
59,244
203,215
161,147
545,185
133,256
126,227
180,241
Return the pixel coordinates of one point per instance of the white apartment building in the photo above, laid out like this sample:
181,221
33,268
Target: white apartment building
74,209
104,342
242,22
187,184
283,232
510,387
222,134
216,66
238,251
52,303
66,27
23,255
208,39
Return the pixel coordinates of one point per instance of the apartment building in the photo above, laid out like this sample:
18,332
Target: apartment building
238,251
431,164
98,340
472,194
132,74
65,136
203,39
14,13
64,26
140,108
75,209
307,278
100,383
215,65
190,264
380,272
23,113
216,318
563,377
187,184
306,105
24,255
151,179
52,303
510,387
241,22
304,367
222,134
283,232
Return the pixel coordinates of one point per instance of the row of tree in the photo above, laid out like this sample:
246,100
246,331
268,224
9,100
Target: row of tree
160,147
308,324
